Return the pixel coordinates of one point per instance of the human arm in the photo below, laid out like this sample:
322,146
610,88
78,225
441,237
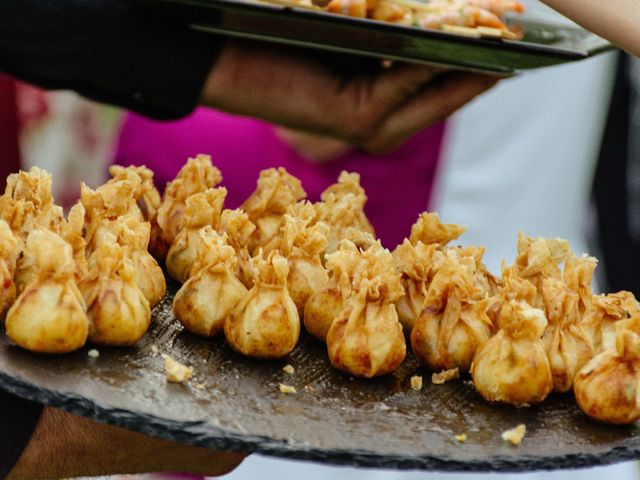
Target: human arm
615,20
65,446
117,52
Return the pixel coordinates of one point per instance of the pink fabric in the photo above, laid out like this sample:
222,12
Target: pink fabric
9,151
398,184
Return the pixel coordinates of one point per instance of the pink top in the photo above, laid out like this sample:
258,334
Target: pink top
398,184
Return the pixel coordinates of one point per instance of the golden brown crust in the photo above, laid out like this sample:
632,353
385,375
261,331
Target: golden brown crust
428,229
208,297
512,367
265,324
49,315
608,387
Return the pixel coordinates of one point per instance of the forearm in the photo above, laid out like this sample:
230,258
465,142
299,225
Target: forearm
64,445
110,50
615,20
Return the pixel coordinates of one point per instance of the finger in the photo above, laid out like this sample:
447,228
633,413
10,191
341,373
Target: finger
436,102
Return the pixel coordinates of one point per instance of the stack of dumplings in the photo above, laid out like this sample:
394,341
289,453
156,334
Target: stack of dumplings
258,274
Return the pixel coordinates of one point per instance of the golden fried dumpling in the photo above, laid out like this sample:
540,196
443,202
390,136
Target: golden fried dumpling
608,387
265,324
512,366
72,232
119,314
343,214
8,257
454,322
238,227
49,315
146,194
206,299
429,229
133,235
417,265
201,209
324,305
349,183
276,191
578,275
103,206
27,203
512,287
566,340
605,311
196,176
302,246
366,339
539,258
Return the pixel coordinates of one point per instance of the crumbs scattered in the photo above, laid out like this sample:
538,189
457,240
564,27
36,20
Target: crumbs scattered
416,382
444,376
176,371
515,435
461,438
287,388
154,349
199,386
289,369
93,353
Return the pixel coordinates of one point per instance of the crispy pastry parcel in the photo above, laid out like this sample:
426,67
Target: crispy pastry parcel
512,366
8,258
454,322
49,315
213,290
608,387
275,192
118,311
605,311
201,209
238,227
566,340
366,339
265,324
196,176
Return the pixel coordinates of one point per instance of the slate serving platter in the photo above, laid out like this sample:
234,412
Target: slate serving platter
234,403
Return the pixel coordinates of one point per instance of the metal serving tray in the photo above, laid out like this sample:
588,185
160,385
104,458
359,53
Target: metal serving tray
543,45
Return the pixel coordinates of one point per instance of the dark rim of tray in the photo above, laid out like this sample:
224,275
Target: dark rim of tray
191,433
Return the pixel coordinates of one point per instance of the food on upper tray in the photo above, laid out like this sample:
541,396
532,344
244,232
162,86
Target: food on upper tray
366,338
119,314
466,17
512,366
265,324
607,387
212,291
201,209
49,315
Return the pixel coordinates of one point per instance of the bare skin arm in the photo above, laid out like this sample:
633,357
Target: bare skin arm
375,110
615,20
64,445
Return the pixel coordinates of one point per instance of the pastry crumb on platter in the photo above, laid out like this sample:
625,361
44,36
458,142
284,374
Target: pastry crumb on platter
287,389
445,376
289,369
515,435
176,371
416,382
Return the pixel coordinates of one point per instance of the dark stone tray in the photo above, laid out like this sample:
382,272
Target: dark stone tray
332,419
